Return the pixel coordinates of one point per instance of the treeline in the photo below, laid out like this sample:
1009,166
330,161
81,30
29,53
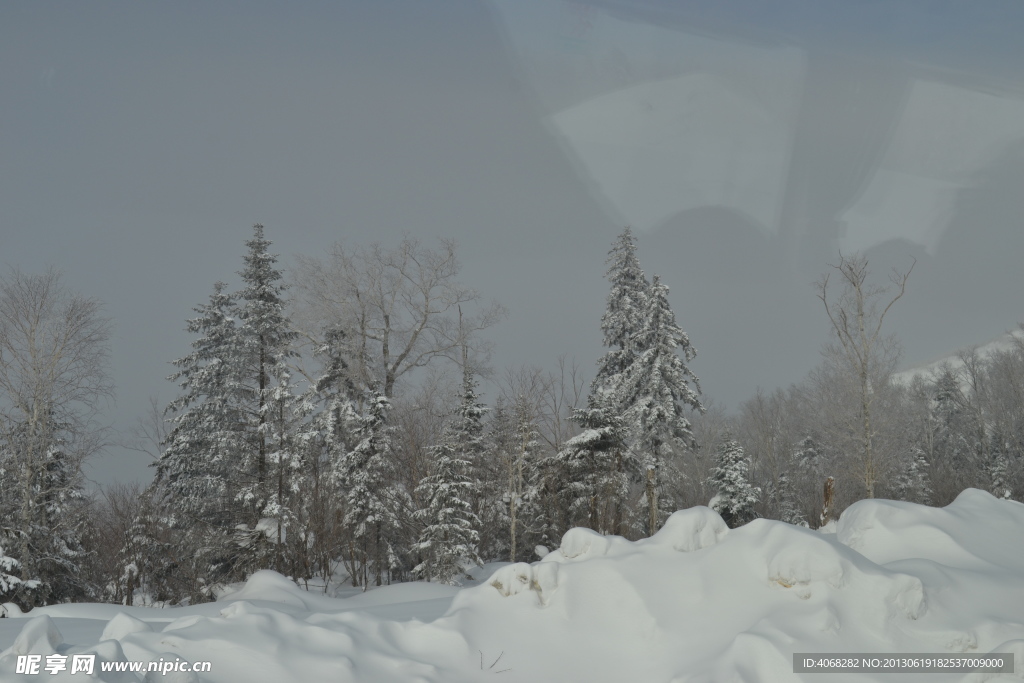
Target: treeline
331,425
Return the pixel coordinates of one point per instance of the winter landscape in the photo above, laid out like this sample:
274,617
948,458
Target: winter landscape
576,341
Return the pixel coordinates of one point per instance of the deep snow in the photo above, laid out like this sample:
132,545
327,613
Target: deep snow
697,602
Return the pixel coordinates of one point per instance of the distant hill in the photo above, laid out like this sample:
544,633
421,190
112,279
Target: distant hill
1004,342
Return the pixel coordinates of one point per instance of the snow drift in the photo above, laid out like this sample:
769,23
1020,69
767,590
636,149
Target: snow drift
696,602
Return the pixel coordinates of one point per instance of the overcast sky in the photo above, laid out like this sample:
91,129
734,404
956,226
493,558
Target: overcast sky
747,142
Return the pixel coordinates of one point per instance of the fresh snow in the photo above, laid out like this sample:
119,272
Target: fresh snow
696,602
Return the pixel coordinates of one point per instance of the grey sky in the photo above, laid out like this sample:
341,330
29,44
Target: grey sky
140,141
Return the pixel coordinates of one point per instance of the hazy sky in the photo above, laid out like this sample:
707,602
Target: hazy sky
746,141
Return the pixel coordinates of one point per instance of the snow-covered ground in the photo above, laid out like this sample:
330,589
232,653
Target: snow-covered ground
697,602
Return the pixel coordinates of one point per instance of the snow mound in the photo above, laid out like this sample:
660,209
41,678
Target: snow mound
693,529
886,531
521,577
39,636
269,586
696,603
123,625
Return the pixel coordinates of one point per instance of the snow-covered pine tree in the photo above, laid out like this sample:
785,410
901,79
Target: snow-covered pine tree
58,544
951,433
375,503
265,337
491,472
656,390
736,498
12,587
197,471
622,319
521,493
999,466
599,468
148,561
785,501
911,483
324,439
449,537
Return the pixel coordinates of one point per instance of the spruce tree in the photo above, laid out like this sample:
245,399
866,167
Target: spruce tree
375,503
12,587
449,535
265,336
491,472
785,501
599,467
324,439
196,473
736,498
523,476
911,483
999,466
656,390
622,319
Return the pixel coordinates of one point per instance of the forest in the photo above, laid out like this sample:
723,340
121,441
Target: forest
341,422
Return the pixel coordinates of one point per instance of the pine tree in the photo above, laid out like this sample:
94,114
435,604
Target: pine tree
523,477
785,501
230,460
599,468
148,559
12,587
491,472
949,419
999,466
911,483
324,439
808,456
736,498
204,450
374,502
655,389
265,336
622,319
449,535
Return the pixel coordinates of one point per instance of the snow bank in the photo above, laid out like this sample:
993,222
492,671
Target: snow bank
697,602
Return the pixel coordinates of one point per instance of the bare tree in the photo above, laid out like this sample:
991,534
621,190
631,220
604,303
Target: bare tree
399,304
53,380
857,315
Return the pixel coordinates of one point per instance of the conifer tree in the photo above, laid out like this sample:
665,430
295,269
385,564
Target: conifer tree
449,535
999,466
736,498
491,472
655,390
785,500
522,471
374,502
912,483
622,319
265,336
324,440
203,453
12,587
599,468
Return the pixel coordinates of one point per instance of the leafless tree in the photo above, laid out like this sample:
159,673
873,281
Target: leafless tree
53,382
856,316
398,304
